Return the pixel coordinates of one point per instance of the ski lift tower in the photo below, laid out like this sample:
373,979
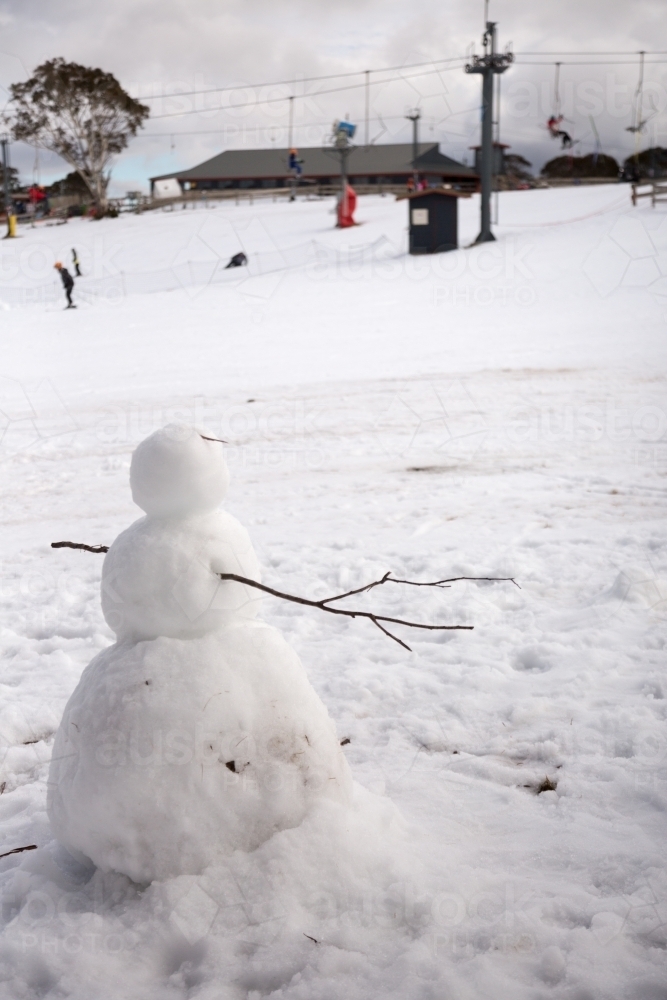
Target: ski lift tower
7,198
489,65
343,133
341,142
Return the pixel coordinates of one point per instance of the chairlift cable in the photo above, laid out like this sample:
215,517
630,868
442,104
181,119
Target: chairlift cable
294,82
386,69
319,93
563,53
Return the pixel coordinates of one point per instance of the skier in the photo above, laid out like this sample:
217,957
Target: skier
75,262
295,163
68,283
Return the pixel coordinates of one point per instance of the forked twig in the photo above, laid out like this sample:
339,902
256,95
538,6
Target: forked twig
323,605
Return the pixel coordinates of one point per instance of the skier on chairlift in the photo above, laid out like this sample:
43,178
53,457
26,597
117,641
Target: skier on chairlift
553,125
556,119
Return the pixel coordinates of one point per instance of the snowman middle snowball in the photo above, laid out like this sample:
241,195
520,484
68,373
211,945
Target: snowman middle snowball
197,733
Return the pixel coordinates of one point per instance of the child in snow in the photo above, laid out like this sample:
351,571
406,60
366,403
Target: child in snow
68,283
76,263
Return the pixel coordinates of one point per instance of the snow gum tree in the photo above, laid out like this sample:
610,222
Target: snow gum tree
82,114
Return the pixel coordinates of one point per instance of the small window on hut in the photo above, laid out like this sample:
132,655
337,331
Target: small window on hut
420,217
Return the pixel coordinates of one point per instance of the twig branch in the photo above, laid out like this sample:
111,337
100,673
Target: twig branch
19,850
395,637
442,584
324,606
79,545
455,579
359,590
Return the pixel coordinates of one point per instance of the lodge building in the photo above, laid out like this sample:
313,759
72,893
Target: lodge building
390,164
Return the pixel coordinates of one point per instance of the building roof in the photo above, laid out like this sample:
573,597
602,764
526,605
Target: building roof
392,158
433,192
436,161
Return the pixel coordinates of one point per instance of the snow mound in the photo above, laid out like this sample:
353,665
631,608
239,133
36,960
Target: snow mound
174,753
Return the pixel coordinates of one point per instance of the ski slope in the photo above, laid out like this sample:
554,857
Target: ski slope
496,411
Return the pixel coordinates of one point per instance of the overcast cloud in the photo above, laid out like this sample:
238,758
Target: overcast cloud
159,47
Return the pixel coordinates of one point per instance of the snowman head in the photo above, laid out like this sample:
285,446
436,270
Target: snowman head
177,472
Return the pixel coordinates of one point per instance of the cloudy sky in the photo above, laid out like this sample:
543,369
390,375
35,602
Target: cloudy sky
268,50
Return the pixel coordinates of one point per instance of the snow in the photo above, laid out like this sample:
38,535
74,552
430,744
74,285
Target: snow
497,411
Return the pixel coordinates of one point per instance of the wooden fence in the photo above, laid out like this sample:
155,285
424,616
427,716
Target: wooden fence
656,192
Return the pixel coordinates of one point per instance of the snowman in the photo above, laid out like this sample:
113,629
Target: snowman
197,733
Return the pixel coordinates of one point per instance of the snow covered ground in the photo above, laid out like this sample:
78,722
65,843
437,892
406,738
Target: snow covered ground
497,411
